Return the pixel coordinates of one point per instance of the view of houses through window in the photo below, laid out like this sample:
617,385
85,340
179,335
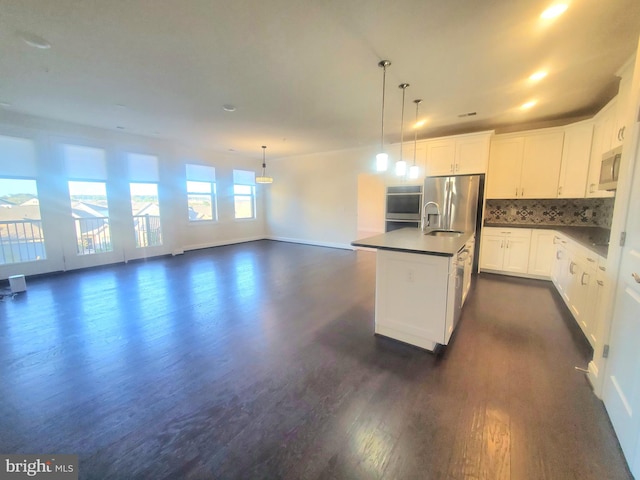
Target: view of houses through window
244,194
90,212
145,209
21,236
201,197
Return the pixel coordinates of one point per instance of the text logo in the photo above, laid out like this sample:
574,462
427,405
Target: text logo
49,467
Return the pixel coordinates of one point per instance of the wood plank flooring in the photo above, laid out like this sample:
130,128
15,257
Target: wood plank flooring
259,361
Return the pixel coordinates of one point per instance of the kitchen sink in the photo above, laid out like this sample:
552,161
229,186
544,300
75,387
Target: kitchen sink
444,233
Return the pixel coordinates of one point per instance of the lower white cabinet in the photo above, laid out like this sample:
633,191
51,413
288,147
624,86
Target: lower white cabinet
541,253
505,249
578,274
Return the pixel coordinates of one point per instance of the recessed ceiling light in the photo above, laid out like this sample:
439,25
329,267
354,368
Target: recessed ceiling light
120,128
419,124
229,108
34,41
528,105
537,76
554,11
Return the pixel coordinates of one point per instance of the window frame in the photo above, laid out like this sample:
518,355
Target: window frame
248,182
78,228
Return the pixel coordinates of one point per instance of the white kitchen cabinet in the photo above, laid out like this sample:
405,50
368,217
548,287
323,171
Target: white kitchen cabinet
576,154
560,269
601,142
440,157
458,155
505,250
581,283
415,297
525,166
541,253
505,167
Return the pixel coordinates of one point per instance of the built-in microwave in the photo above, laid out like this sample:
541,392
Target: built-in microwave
609,169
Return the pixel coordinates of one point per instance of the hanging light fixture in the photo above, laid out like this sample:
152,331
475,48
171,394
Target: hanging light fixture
382,159
401,165
264,178
414,171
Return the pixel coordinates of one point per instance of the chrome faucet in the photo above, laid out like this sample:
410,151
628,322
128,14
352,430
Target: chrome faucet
428,217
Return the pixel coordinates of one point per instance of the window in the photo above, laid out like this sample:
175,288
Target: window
244,194
21,236
201,193
145,209
90,212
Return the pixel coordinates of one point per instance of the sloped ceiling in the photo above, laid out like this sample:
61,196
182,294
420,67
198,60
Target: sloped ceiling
303,74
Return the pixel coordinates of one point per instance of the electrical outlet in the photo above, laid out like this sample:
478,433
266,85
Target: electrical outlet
513,212
588,213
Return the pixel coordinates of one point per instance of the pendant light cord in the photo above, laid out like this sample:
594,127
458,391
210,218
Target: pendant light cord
415,133
264,164
384,64
403,86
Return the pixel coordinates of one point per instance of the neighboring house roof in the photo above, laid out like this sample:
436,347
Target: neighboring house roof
87,210
6,203
148,208
33,201
20,212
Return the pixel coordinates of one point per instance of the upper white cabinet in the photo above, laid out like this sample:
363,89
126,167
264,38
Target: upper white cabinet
525,166
458,155
610,129
576,154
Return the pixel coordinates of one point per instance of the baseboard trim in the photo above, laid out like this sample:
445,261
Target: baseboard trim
221,243
341,246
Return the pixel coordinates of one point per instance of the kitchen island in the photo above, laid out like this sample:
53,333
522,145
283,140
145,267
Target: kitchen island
420,284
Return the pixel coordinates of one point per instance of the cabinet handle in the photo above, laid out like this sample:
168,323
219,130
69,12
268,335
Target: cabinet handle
590,260
582,278
621,134
600,282
507,243
451,168
559,190
602,268
636,277
502,244
558,254
571,265
592,187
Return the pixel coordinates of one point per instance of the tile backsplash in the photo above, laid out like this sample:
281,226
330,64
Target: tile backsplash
596,212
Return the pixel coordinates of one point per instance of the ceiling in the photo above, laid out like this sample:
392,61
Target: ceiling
304,75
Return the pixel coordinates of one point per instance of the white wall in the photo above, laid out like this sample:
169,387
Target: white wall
314,198
179,234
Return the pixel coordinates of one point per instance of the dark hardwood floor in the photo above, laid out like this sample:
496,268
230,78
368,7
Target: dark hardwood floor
259,361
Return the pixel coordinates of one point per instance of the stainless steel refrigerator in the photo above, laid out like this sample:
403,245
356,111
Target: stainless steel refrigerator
450,203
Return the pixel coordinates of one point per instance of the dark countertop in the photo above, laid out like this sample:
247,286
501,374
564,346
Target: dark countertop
412,240
595,239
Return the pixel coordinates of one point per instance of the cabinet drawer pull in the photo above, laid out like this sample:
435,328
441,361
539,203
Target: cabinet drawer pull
636,277
507,243
590,260
602,268
601,283
582,278
558,254
559,190
571,265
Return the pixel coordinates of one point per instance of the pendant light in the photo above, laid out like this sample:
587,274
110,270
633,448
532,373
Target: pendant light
264,178
401,165
414,171
382,159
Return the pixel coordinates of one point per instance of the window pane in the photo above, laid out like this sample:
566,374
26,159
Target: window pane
200,207
90,210
21,236
242,189
243,206
145,209
198,187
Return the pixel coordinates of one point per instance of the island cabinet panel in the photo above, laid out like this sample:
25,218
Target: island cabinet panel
412,295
